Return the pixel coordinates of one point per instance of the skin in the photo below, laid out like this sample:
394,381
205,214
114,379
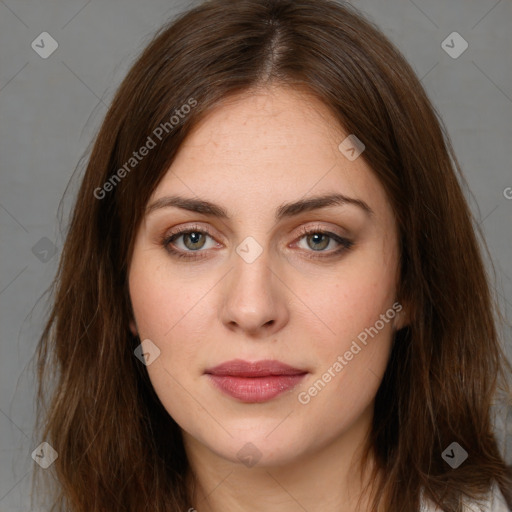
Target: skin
250,155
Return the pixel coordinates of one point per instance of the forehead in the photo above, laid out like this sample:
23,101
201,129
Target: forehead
269,122
265,147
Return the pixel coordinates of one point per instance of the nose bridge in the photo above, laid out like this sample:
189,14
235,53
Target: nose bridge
253,275
252,300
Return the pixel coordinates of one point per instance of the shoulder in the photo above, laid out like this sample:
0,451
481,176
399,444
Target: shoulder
495,502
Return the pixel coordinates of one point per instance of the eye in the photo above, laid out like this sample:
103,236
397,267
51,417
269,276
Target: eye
184,241
317,240
189,241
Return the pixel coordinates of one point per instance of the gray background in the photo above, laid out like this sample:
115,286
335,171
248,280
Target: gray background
51,108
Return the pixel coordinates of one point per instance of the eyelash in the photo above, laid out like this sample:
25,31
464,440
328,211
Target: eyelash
194,255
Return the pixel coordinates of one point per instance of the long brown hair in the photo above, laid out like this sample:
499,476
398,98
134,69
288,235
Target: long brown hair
118,448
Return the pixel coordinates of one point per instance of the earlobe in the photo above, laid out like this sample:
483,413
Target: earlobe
398,322
133,328
401,319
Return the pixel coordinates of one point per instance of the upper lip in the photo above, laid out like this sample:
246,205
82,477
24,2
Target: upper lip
267,367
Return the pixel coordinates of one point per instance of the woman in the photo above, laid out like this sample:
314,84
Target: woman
271,295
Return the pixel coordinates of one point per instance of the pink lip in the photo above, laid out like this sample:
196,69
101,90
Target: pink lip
255,382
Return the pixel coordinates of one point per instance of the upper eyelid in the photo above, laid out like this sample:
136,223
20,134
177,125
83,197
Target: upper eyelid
187,229
196,227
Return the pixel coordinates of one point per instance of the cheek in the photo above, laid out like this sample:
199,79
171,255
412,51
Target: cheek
161,299
351,347
353,298
171,310
352,342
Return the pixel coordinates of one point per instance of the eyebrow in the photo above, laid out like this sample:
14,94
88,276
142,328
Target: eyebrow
286,210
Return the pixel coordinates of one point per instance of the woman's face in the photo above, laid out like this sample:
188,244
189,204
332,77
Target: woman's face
251,285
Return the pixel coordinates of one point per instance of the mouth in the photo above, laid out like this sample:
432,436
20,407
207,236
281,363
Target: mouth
254,382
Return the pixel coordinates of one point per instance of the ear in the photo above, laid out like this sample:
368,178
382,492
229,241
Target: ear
133,328
402,316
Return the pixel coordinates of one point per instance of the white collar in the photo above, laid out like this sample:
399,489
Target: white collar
495,502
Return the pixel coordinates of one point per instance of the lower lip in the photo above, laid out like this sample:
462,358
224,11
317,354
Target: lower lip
255,389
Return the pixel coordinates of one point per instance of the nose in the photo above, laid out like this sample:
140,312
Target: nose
254,301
